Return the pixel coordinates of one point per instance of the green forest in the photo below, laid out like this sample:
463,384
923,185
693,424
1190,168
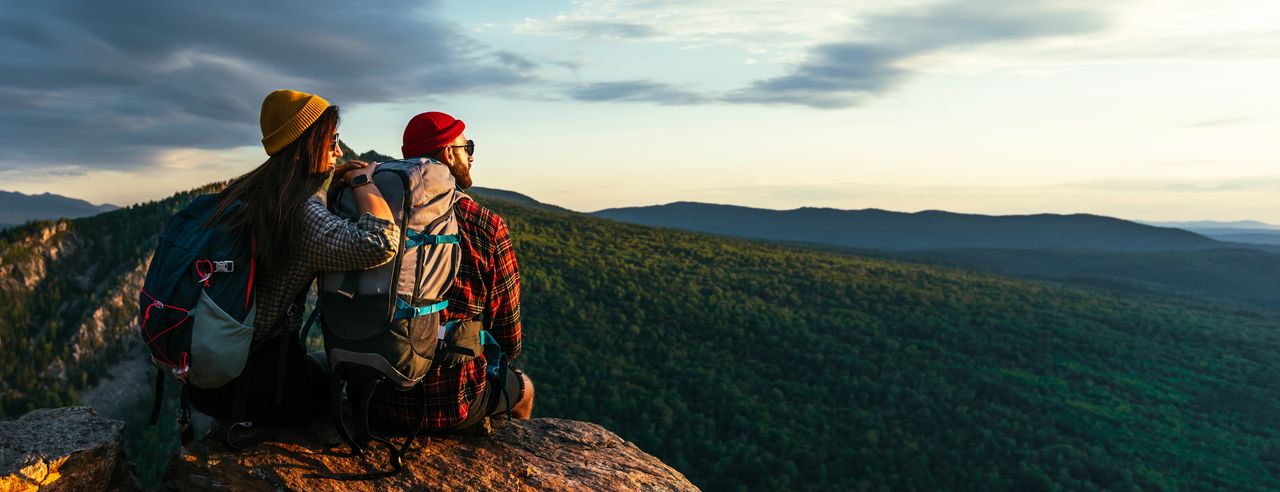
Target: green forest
38,323
750,366
762,367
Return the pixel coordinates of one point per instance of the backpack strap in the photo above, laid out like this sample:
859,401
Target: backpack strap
311,321
414,238
362,394
405,310
184,417
158,399
299,304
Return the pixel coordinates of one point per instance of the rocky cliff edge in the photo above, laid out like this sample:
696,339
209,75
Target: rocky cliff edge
74,449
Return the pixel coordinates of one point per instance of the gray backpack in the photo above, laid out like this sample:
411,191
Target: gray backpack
383,325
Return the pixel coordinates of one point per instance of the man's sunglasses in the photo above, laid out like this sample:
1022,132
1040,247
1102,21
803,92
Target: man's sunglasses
470,146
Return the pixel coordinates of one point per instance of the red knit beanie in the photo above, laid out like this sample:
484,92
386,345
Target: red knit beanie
429,132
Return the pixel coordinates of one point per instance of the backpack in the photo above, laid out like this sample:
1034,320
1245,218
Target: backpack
384,325
196,304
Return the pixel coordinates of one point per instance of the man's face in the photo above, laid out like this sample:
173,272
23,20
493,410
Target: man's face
459,161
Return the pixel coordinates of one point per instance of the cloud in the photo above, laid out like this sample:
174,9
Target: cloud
114,86
606,29
635,91
843,74
1269,183
858,53
1217,123
836,75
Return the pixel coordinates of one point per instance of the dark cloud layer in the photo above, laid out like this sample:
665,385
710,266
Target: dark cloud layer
113,83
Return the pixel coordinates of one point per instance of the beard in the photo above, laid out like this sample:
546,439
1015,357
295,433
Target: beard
461,175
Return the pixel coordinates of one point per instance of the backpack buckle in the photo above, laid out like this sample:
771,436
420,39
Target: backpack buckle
226,266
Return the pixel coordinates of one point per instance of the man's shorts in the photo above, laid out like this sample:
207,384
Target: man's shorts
492,401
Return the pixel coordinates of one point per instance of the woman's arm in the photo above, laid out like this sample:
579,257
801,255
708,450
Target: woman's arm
368,198
331,243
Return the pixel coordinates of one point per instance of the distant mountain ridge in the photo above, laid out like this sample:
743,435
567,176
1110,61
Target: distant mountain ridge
1239,231
1215,224
18,208
931,229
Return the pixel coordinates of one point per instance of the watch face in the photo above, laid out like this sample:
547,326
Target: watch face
360,179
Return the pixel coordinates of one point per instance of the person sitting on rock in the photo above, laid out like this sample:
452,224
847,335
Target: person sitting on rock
295,238
487,287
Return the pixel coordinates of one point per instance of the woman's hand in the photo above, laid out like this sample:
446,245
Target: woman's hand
352,169
341,171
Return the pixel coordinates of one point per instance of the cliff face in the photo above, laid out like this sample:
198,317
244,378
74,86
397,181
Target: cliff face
67,308
113,317
25,262
63,449
538,454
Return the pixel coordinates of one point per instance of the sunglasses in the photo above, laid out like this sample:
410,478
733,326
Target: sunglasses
335,142
470,146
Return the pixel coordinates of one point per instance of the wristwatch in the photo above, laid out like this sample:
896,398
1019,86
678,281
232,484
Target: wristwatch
360,180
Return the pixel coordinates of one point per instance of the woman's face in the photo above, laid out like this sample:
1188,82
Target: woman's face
335,151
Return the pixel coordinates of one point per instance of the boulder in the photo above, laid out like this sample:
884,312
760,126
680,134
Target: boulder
71,449
538,454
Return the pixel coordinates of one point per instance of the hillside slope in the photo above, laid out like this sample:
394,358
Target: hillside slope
1239,276
744,364
880,229
749,365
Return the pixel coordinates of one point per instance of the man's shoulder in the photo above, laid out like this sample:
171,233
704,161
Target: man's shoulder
472,215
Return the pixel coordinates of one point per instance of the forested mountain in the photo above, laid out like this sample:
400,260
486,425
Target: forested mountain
880,229
749,365
17,208
1237,276
68,294
1239,235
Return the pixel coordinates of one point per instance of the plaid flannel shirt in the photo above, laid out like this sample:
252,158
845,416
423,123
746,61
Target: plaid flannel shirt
325,242
488,287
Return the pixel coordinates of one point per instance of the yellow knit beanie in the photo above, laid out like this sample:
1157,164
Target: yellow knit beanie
285,115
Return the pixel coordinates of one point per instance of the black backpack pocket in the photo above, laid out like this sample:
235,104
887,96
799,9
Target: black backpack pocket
356,318
461,343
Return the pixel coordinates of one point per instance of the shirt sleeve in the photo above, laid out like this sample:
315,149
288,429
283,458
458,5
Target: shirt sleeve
332,243
503,306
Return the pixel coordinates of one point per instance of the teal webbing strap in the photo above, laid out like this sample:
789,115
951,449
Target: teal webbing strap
414,239
492,352
404,310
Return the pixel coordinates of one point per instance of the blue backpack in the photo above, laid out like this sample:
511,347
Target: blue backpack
195,309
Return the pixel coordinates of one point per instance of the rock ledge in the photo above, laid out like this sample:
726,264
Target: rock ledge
539,454
64,449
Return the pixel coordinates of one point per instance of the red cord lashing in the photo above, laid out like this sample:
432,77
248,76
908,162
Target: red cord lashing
204,276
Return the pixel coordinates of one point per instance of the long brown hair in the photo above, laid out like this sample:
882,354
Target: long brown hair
271,194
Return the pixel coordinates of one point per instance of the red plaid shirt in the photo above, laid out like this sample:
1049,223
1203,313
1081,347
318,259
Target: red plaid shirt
488,285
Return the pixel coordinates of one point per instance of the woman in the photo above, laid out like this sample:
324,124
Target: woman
294,238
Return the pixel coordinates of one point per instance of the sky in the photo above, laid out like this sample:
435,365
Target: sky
1140,109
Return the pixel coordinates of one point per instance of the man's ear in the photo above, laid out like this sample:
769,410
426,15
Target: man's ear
445,156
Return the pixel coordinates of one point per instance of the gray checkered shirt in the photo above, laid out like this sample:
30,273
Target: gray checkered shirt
326,242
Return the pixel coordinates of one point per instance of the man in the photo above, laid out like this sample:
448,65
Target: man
487,287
